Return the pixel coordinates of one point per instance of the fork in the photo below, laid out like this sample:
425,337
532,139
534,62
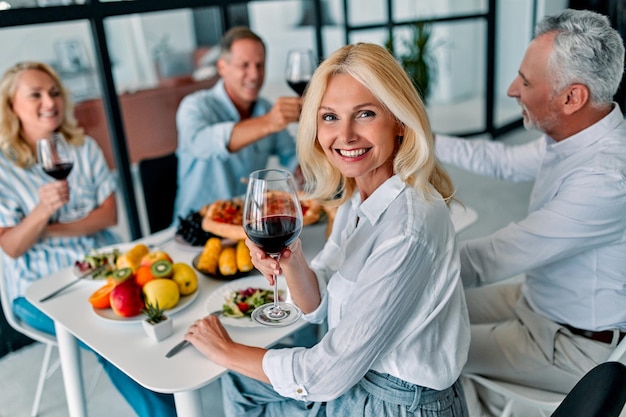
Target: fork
69,284
156,245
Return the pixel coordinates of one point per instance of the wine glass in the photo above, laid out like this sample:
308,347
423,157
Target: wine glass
54,156
272,218
299,70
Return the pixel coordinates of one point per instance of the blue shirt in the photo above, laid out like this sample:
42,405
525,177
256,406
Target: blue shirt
90,183
392,295
207,171
572,244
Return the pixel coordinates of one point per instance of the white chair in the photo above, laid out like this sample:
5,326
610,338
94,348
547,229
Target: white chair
543,401
37,335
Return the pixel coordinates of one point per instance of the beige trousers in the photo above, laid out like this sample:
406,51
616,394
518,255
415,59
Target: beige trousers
511,342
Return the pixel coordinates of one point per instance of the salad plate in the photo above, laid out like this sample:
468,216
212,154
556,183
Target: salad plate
98,257
109,315
216,300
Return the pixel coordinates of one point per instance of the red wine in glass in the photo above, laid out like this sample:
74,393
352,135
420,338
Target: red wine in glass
275,232
298,86
272,219
59,171
299,69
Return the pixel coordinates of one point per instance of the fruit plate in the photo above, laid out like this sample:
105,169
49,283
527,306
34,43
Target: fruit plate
218,275
216,299
108,314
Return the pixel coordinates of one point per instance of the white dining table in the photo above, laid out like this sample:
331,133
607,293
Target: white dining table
125,345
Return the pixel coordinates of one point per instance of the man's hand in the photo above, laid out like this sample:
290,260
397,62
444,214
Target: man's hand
286,110
247,131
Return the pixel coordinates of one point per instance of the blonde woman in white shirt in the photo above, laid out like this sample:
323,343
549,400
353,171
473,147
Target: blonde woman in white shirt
387,280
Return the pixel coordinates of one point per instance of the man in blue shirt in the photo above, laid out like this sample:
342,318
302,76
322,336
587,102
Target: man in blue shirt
228,131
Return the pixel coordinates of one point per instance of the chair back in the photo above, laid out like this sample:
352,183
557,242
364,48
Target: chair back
158,180
533,397
14,321
600,393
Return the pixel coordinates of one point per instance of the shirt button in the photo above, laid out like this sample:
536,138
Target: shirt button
301,392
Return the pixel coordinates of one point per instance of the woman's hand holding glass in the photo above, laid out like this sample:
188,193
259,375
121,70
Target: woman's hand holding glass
53,196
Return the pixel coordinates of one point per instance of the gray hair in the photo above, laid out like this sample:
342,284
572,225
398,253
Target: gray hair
587,50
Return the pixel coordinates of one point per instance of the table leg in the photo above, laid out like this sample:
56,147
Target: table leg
188,403
69,354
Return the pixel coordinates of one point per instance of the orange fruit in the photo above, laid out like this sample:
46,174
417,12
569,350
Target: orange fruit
143,275
100,298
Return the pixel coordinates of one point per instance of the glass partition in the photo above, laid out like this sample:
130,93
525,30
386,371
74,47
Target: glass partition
283,25
428,9
67,47
366,12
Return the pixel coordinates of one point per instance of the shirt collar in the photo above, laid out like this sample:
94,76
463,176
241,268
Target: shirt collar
232,110
379,200
588,136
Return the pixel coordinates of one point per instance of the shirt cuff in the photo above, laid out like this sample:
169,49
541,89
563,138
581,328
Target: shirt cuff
278,366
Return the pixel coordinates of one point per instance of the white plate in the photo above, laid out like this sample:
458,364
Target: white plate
108,314
217,298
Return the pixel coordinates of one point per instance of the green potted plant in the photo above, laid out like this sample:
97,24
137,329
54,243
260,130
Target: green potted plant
418,60
157,325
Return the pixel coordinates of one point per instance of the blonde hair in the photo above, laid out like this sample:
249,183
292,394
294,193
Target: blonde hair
12,141
375,68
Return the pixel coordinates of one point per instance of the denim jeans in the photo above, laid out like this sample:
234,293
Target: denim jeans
146,403
375,395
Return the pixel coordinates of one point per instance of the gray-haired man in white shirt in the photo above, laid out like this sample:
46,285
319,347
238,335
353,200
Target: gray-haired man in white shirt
569,312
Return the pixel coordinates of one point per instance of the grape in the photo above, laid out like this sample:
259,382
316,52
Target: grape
190,229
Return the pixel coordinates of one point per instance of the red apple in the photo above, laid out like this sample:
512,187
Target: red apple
126,300
150,258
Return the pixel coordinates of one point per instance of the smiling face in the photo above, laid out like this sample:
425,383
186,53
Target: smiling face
38,104
357,133
243,72
533,88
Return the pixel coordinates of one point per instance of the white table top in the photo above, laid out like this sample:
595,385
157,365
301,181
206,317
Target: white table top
127,346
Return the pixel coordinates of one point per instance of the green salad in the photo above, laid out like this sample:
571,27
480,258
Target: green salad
95,259
241,303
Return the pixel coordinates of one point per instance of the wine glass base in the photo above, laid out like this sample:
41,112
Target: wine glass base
265,315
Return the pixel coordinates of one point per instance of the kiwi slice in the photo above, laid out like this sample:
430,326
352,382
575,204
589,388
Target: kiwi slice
162,269
122,273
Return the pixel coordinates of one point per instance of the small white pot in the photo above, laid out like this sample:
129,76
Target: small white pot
159,331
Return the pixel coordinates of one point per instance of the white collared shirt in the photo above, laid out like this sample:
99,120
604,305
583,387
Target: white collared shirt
572,244
393,298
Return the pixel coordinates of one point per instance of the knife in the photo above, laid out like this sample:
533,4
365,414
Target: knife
69,284
182,345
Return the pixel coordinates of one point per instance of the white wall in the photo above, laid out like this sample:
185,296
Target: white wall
37,43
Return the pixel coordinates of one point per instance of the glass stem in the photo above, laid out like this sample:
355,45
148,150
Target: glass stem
276,306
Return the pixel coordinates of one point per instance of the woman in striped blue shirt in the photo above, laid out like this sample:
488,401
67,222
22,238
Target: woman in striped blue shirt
35,243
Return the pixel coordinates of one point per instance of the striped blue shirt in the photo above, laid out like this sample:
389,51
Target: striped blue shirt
90,181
